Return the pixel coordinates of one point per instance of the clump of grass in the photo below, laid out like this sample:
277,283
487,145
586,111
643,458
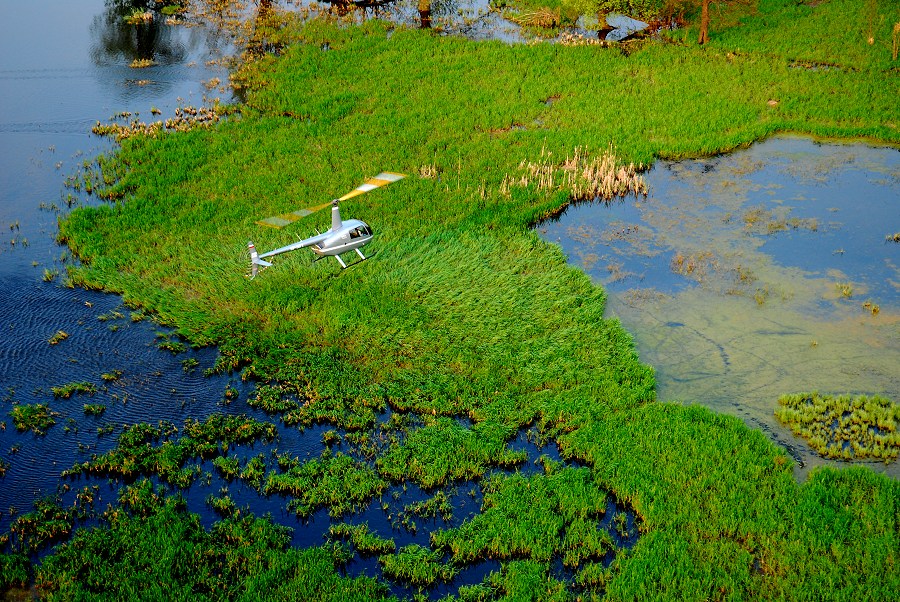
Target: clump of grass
36,417
417,565
94,409
227,466
272,399
190,364
150,543
254,471
845,289
145,449
58,337
185,119
872,308
74,388
112,314
112,375
15,571
138,17
363,539
172,345
49,275
333,480
443,450
48,522
534,517
330,438
438,504
223,505
695,265
844,427
142,63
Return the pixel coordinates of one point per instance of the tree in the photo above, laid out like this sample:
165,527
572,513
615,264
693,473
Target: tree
704,23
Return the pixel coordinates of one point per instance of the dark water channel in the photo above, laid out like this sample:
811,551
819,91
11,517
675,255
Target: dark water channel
64,66
754,274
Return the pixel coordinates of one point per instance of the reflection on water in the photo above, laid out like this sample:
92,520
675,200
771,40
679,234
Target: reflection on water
750,275
115,44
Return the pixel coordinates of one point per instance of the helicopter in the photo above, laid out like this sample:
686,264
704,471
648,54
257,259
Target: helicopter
343,236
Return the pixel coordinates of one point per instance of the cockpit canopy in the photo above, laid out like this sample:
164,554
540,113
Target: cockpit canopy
361,230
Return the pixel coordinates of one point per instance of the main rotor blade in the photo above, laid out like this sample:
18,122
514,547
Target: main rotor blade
280,221
382,179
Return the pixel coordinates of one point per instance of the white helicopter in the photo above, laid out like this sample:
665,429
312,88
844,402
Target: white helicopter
343,236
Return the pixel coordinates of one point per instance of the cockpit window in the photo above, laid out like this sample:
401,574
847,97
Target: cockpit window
363,230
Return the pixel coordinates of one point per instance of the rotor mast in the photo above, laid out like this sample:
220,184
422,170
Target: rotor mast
335,216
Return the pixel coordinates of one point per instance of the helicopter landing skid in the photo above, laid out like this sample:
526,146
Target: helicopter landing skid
344,265
358,252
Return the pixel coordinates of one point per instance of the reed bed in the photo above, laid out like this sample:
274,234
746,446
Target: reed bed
537,517
602,177
363,539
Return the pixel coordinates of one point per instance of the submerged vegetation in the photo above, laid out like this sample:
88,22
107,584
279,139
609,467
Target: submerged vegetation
844,427
465,325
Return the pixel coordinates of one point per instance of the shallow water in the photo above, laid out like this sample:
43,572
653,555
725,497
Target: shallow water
733,276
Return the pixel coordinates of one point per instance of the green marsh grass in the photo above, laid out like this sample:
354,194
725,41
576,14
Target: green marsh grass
74,388
417,565
48,522
843,426
94,409
149,546
334,480
465,313
137,452
538,517
363,539
34,417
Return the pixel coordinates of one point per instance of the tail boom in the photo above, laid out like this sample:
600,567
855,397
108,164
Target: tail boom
255,262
